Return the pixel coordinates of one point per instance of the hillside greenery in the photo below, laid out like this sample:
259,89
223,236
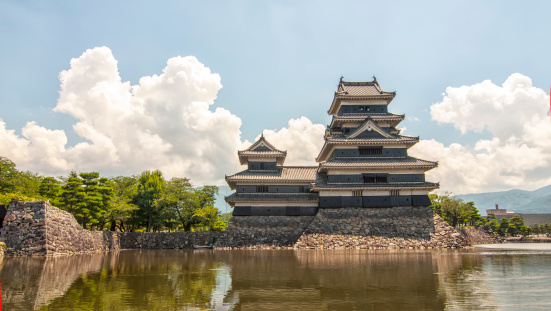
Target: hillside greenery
146,202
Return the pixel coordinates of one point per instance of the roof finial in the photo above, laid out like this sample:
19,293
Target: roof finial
341,79
375,79
262,134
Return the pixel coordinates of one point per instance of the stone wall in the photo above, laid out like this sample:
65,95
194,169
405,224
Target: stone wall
166,240
37,228
480,235
339,228
380,228
264,231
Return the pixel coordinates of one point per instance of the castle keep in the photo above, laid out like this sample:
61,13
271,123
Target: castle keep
363,163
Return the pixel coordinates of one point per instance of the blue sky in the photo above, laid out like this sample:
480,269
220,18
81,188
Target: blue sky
279,60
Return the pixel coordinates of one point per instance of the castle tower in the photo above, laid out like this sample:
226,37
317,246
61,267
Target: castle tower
364,160
267,188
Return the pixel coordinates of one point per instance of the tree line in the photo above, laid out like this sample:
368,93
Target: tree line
457,212
147,202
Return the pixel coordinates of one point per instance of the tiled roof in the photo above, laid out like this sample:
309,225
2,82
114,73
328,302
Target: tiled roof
342,140
359,90
376,163
286,174
261,154
272,197
261,144
322,184
379,141
395,119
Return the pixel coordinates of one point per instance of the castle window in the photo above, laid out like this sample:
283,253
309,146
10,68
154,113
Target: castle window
261,188
364,108
371,150
394,193
372,179
261,165
357,193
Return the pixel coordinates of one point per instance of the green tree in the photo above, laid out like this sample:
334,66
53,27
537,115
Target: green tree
536,229
526,231
150,189
8,175
72,195
517,221
504,225
121,209
50,189
512,229
490,217
494,224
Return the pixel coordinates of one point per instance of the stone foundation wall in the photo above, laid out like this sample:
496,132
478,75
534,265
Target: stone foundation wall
25,228
264,231
339,228
37,228
380,228
166,240
480,235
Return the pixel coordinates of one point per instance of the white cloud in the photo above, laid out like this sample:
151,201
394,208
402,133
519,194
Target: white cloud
302,140
518,155
164,122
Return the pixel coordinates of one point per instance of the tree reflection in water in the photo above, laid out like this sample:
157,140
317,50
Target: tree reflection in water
273,280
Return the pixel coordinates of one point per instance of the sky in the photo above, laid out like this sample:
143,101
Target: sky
125,86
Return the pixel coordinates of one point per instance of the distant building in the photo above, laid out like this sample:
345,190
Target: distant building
363,163
501,212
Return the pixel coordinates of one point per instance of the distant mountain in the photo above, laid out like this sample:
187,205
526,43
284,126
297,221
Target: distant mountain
521,201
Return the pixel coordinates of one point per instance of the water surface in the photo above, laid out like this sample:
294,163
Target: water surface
490,278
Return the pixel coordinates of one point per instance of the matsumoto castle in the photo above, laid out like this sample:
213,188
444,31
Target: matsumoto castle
364,162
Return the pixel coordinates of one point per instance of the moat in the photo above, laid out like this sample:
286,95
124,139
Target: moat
477,278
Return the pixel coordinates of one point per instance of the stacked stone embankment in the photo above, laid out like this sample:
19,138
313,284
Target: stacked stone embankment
381,228
37,228
264,232
480,235
167,240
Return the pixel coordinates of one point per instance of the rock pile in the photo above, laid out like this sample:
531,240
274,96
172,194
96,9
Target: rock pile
383,228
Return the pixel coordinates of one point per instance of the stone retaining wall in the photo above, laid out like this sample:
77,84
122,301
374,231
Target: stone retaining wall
37,228
480,235
166,240
264,231
380,228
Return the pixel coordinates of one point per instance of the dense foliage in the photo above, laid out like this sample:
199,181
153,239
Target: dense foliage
146,202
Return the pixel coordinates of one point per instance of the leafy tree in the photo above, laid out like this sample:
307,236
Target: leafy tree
50,189
494,224
72,195
517,221
504,225
455,211
547,228
150,189
526,231
490,217
512,229
536,229
121,208
8,175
